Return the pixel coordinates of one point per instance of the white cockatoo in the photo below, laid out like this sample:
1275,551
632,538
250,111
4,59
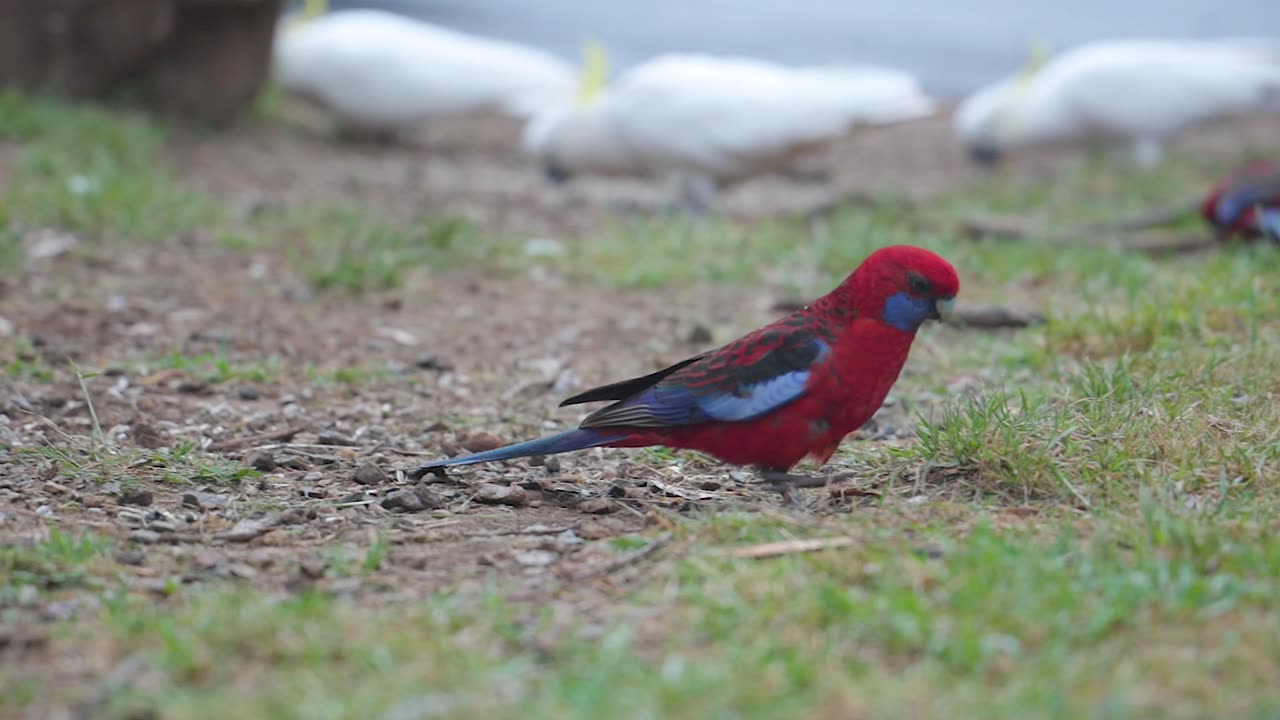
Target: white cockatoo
1143,91
708,121
378,71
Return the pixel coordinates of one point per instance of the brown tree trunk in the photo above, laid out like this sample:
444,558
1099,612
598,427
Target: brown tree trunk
203,60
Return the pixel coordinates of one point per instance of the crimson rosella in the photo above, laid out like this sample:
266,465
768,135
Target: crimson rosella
792,389
1231,207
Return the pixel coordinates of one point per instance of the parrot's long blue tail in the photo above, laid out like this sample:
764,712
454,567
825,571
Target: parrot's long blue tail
564,442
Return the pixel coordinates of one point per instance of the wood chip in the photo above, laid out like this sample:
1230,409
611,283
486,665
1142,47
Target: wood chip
678,491
997,317
629,559
249,528
240,442
788,547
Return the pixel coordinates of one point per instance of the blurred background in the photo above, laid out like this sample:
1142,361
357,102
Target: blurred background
953,46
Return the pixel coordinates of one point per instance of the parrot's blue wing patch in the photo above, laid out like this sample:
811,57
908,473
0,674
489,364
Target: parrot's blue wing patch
722,391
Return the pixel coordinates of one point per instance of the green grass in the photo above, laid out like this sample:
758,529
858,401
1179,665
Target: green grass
344,248
82,459
55,563
1087,531
1163,614
219,367
92,172
101,175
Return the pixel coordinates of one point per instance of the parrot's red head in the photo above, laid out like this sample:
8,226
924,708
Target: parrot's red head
902,285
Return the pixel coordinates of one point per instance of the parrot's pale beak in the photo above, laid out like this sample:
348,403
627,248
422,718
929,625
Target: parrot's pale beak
984,155
557,173
944,308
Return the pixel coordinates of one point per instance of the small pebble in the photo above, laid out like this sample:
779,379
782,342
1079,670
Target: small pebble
598,506
193,387
429,361
595,530
569,537
369,474
699,335
552,465
144,537
313,492
312,568
330,437
204,501
402,500
293,462
263,461
205,560
535,558
481,441
355,497
414,500
135,496
133,556
248,393
494,494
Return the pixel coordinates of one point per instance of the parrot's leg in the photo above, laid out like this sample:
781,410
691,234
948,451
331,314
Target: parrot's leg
1147,152
423,470
784,482
693,194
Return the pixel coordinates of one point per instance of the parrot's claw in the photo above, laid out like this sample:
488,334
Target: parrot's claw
422,470
785,482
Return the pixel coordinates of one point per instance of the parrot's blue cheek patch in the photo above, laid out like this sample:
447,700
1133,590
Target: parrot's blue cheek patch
905,311
1228,210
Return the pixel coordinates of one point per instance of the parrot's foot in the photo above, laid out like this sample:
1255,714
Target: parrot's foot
422,470
785,482
694,194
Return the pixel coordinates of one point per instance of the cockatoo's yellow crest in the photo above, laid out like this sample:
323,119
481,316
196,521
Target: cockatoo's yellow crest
1010,117
311,9
1039,56
595,72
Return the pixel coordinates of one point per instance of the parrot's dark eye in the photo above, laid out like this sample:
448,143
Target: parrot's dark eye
919,285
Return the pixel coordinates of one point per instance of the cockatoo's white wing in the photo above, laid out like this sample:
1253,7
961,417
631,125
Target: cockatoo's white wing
875,95
379,68
727,116
521,79
1136,88
1157,88
977,115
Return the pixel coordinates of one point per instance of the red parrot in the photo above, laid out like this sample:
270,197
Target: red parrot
1231,206
791,389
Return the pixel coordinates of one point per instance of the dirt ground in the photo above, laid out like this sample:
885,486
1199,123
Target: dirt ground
460,360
